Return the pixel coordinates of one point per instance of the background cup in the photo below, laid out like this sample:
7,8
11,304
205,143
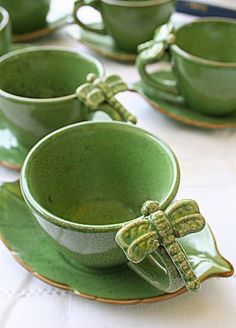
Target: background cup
5,31
204,62
129,23
83,195
26,15
39,91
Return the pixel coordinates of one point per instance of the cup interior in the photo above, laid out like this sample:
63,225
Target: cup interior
211,39
98,173
45,73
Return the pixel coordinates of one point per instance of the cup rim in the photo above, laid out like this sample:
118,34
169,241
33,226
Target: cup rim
33,49
147,3
200,60
5,18
54,219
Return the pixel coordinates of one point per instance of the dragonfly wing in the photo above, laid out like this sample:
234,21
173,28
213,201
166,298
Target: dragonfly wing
185,217
115,84
136,239
90,95
142,246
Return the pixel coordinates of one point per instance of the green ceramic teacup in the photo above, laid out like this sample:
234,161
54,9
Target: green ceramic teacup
86,183
5,31
26,15
203,54
129,23
45,88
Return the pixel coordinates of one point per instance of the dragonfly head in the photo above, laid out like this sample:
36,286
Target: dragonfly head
149,207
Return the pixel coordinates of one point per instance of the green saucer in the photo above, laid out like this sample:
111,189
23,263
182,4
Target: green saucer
12,153
55,20
101,44
35,251
181,113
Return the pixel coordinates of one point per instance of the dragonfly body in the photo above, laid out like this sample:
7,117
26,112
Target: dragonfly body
167,239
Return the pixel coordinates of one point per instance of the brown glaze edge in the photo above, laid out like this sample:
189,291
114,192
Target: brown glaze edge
161,298
112,55
11,166
184,120
39,33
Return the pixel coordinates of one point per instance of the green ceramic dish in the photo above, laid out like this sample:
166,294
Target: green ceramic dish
204,62
100,44
38,90
5,31
180,112
45,88
26,15
36,252
89,197
129,23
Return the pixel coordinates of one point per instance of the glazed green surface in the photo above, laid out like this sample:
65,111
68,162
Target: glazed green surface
12,153
32,80
108,163
31,245
180,112
213,40
204,62
100,162
26,15
101,44
5,31
130,25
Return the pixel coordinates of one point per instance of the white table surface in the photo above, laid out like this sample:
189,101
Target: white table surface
208,166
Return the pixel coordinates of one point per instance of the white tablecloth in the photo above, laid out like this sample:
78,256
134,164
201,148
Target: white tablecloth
208,166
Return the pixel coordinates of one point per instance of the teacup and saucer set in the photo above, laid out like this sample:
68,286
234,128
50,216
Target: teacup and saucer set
44,88
79,220
94,210
123,26
200,89
33,19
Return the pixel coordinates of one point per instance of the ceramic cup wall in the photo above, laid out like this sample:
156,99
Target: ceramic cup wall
83,195
26,15
5,31
129,23
37,90
204,62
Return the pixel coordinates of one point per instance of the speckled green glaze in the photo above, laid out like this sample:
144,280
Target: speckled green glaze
31,246
38,90
129,23
5,31
100,44
102,163
180,112
12,153
204,62
26,15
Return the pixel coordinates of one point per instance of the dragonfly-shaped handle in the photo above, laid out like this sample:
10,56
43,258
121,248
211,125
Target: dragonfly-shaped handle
156,228
99,94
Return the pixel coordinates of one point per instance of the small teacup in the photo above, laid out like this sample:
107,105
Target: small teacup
26,15
129,23
86,183
5,31
203,54
45,88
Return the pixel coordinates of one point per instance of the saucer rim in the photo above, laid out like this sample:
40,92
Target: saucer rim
134,87
161,298
120,57
50,27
